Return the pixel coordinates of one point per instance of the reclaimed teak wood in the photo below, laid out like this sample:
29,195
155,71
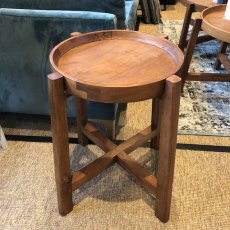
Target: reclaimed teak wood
213,23
116,66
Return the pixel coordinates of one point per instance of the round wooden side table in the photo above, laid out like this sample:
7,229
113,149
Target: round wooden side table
215,24
116,66
218,27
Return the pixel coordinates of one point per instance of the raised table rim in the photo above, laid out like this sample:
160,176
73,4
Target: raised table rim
109,94
211,29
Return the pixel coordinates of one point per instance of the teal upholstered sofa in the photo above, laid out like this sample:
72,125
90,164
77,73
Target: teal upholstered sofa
31,28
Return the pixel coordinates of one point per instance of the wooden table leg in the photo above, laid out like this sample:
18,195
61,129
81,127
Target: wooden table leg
60,143
222,50
184,32
154,142
81,108
168,132
190,49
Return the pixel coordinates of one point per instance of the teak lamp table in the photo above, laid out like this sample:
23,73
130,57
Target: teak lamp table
115,67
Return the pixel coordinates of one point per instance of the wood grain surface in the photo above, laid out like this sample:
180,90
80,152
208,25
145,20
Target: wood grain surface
215,24
113,66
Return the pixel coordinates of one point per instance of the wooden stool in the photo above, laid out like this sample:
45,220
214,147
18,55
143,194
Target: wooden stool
213,23
116,66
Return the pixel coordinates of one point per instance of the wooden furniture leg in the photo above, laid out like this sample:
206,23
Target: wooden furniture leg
81,108
221,54
154,142
155,123
60,143
168,132
161,186
188,15
189,21
189,51
184,72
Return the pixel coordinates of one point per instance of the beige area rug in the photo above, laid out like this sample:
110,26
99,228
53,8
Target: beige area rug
201,192
207,103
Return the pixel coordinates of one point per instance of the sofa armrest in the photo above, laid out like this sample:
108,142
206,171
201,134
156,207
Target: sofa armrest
116,7
28,37
86,21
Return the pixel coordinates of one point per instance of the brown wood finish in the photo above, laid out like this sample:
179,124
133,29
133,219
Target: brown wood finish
136,52
184,32
211,21
60,143
225,61
222,50
82,117
193,6
208,77
170,106
116,66
214,23
189,51
155,120
143,176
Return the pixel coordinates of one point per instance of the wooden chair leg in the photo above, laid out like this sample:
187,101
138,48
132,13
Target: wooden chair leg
168,132
222,50
82,117
60,143
184,32
190,49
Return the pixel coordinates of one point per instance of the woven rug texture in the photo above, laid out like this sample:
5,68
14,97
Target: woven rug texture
112,200
205,106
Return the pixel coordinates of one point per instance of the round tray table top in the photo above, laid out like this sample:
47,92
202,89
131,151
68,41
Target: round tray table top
116,59
215,24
